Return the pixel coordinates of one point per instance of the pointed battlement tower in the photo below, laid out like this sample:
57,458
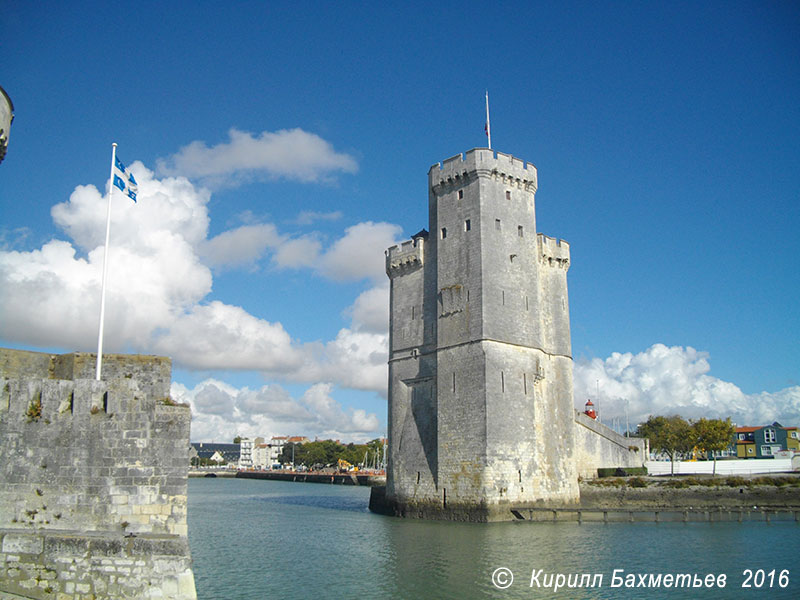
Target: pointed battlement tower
480,362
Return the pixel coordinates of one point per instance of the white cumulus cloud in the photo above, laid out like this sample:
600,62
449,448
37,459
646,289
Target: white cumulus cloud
221,336
160,282
370,311
240,246
296,253
221,411
356,360
666,380
359,253
287,153
51,296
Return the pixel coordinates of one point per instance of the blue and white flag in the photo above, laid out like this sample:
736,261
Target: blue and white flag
124,180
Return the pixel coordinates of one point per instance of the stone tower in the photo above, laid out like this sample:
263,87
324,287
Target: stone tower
480,366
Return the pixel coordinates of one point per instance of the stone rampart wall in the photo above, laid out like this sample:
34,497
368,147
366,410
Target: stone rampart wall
598,447
94,475
62,565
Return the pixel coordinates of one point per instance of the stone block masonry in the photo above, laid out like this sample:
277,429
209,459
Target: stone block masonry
480,364
94,479
481,414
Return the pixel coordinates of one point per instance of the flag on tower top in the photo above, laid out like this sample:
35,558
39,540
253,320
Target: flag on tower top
123,179
488,128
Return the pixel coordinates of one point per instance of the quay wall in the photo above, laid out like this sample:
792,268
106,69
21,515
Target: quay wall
93,501
332,478
658,495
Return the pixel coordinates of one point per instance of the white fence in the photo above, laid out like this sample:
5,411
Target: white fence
725,467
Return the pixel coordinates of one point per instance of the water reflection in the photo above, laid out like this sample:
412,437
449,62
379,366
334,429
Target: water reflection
255,539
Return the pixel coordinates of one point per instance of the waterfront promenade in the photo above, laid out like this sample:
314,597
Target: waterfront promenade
351,478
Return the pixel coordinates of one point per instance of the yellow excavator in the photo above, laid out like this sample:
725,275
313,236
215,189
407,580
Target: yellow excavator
346,466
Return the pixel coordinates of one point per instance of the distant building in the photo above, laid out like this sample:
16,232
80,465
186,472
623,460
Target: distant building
765,441
247,445
277,443
261,457
792,438
218,453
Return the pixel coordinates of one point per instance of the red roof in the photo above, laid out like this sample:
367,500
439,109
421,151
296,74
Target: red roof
747,429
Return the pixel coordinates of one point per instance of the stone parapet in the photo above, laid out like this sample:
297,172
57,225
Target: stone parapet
90,460
483,162
553,252
405,257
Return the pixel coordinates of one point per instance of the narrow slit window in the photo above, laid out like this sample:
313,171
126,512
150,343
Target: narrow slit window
519,230
454,383
444,232
502,382
460,194
508,194
467,225
497,224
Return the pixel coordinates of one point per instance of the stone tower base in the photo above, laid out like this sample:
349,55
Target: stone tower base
470,513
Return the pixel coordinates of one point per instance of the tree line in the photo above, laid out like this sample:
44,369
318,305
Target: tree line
327,453
677,437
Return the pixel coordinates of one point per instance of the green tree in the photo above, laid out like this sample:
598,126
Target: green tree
713,435
293,452
671,435
237,439
318,453
328,452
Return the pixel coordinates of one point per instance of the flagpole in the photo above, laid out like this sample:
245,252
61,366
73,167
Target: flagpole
105,266
488,126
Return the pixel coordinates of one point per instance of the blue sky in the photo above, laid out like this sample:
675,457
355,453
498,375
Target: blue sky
280,147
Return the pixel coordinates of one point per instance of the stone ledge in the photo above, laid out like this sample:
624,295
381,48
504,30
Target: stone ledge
21,541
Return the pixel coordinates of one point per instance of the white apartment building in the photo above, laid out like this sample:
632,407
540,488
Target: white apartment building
246,451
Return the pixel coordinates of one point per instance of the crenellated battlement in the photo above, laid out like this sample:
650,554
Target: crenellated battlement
94,460
482,162
553,252
152,374
49,400
406,257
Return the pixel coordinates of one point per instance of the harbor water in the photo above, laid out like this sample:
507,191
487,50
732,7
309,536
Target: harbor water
257,539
